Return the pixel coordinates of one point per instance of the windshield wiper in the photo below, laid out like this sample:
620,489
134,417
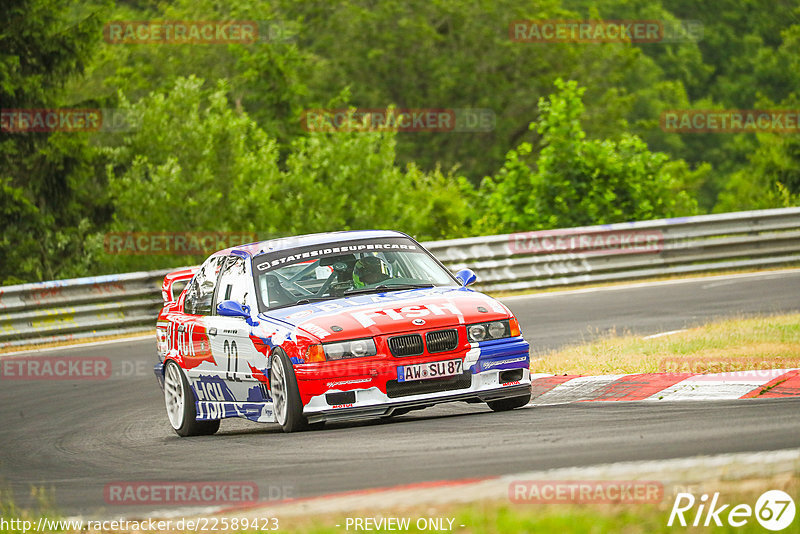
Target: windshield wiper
383,288
309,300
304,300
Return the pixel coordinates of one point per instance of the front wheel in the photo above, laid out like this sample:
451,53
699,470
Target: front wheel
285,394
503,405
179,400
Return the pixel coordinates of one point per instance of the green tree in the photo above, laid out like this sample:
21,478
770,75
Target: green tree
771,179
192,163
266,78
458,54
577,181
51,194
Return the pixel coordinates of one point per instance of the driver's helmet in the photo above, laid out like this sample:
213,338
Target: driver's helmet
370,270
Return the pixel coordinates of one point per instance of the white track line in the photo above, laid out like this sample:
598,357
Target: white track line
662,334
576,389
717,386
635,285
151,336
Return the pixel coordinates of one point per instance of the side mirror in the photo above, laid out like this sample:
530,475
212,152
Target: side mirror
466,277
231,308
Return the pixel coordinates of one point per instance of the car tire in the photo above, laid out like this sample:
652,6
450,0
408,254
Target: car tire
179,400
285,394
503,405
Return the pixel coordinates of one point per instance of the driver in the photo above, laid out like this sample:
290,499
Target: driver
370,270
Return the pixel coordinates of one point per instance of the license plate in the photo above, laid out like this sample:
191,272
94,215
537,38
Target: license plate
425,371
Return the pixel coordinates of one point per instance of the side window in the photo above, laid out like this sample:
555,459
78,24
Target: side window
233,282
201,288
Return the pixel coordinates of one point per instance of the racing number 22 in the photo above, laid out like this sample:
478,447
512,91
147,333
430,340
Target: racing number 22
232,355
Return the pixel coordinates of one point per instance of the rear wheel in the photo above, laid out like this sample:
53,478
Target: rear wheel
285,394
503,405
179,401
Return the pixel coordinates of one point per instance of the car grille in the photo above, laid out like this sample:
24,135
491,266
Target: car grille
441,340
396,389
408,345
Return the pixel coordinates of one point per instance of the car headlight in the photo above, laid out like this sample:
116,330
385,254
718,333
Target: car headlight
355,348
493,330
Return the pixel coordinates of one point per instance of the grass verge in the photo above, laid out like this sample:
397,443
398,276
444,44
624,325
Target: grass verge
619,283
739,344
501,516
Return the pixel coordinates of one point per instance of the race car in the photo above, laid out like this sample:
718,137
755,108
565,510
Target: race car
330,327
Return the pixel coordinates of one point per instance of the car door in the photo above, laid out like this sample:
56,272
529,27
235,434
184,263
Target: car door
189,330
230,336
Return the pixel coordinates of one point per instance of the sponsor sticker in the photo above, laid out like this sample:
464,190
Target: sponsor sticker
298,255
367,317
486,365
348,382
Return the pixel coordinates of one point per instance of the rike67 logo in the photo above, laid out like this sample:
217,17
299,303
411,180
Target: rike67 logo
774,510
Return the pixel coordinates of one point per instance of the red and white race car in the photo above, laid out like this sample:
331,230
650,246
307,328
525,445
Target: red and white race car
330,327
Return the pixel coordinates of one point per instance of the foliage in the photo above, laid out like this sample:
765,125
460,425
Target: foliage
578,181
191,163
218,142
51,192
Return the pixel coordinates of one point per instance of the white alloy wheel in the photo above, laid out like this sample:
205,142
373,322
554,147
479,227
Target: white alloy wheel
277,382
174,395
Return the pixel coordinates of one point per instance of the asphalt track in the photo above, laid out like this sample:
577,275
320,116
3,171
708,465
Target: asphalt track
76,437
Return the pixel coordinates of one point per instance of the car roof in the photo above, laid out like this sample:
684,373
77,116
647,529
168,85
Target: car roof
286,243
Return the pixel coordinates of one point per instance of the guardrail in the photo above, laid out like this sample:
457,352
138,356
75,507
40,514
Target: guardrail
79,308
591,254
108,305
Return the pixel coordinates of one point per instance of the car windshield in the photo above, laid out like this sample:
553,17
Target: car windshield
330,271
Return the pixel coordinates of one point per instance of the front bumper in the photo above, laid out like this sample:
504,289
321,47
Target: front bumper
493,370
368,411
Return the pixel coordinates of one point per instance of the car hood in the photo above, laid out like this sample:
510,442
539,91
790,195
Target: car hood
390,313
